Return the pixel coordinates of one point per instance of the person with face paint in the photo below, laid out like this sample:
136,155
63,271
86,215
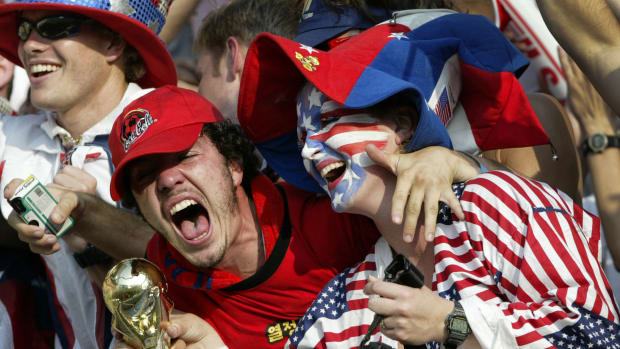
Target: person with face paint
519,270
325,24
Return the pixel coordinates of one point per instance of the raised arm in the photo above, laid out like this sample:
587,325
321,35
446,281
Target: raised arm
589,109
589,31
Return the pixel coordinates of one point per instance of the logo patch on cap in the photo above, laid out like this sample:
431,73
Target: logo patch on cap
308,62
135,124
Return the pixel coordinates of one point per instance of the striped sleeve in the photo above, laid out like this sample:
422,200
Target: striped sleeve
524,264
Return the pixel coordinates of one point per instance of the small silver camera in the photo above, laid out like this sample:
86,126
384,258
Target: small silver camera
34,205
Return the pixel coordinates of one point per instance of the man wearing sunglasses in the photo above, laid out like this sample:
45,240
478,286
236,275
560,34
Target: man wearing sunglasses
86,60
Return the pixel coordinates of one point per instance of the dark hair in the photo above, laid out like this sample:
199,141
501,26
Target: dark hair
234,146
244,20
404,107
134,67
231,142
133,64
390,5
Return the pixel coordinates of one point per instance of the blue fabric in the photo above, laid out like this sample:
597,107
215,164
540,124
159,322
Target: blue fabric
320,23
284,156
140,10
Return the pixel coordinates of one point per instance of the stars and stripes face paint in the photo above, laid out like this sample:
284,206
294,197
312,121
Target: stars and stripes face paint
333,141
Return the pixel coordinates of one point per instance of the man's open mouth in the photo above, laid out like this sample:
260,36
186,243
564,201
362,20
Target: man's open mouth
191,219
38,70
333,171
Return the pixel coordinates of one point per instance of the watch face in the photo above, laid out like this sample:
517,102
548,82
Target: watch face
598,142
459,325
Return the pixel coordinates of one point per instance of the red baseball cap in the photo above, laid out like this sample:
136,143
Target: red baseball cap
167,120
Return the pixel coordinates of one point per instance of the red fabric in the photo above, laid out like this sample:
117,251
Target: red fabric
17,298
495,119
335,42
323,243
504,17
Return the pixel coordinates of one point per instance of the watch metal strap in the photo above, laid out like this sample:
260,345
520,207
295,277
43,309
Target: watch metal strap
457,326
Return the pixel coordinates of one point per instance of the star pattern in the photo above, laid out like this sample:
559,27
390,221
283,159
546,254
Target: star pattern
398,36
330,304
315,98
123,7
309,49
444,216
591,331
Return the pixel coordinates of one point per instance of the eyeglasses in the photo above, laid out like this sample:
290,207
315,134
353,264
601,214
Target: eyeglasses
52,27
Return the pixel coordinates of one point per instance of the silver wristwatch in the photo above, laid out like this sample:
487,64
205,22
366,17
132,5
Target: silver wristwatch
457,326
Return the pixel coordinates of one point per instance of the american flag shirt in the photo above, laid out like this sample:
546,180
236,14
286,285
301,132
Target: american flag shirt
523,264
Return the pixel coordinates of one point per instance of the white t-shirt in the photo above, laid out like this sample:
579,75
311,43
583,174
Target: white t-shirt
30,144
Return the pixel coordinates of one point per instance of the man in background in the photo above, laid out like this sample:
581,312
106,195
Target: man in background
85,61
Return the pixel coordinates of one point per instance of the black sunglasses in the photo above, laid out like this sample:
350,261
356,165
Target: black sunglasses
52,27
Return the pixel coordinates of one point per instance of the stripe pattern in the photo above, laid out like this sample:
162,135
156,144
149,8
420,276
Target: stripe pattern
524,249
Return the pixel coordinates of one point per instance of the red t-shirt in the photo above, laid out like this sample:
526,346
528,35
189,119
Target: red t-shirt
261,311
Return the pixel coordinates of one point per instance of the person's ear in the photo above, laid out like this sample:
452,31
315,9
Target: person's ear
236,172
406,122
235,57
115,48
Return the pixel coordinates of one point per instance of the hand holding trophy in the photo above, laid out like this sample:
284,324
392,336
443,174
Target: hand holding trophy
134,291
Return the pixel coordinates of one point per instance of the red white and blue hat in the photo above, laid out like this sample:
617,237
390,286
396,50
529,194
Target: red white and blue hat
379,63
138,21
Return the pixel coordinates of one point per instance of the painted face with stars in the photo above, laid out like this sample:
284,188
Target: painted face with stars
334,140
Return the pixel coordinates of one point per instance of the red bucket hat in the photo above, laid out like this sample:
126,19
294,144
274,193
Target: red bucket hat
381,62
167,120
138,21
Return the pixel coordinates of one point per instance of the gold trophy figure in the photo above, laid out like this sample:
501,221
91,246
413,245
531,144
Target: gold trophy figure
135,292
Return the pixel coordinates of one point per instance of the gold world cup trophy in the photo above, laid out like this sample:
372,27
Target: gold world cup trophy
135,292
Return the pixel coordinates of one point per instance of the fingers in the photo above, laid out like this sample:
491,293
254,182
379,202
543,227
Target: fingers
38,241
401,194
74,178
174,331
388,161
9,189
450,199
431,209
412,212
67,203
385,289
179,344
187,327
